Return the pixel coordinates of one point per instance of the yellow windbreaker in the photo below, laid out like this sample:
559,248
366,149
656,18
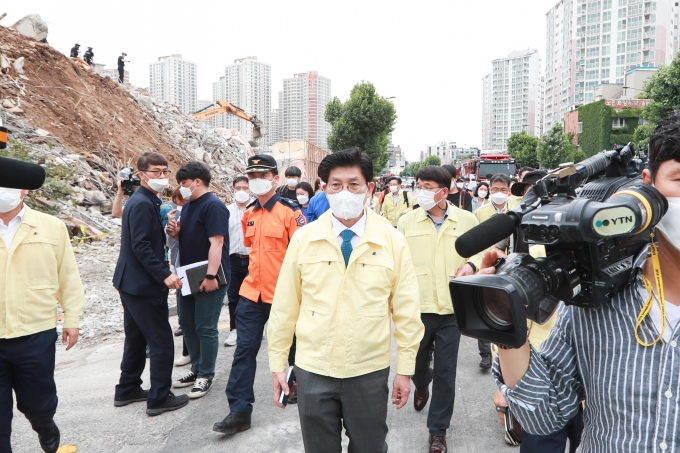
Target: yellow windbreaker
37,271
341,316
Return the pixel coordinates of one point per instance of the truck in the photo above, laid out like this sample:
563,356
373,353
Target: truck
488,163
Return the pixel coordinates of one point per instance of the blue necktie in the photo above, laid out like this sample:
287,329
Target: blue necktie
346,246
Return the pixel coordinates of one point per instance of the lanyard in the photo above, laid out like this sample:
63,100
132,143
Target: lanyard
647,307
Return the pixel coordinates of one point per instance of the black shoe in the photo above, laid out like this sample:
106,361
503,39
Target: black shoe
185,381
50,442
172,403
233,423
135,396
486,361
420,398
178,332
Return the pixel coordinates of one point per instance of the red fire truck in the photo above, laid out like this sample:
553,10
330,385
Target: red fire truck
488,164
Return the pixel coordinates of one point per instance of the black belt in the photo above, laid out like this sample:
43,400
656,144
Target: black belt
245,257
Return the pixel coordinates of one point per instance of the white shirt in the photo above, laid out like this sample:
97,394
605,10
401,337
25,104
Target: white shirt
672,314
236,230
8,231
358,229
395,197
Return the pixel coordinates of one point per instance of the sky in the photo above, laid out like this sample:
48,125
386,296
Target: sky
430,55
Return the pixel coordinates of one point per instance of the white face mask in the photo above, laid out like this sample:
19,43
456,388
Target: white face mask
241,196
669,225
460,185
346,205
186,191
499,198
158,185
292,182
303,199
426,199
394,189
482,193
9,199
260,186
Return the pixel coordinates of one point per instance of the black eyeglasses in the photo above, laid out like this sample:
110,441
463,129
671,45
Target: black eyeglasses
158,172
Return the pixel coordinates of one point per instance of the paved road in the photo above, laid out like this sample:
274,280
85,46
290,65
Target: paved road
87,418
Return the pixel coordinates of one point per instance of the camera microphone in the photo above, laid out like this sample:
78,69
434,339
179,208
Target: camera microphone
17,174
484,235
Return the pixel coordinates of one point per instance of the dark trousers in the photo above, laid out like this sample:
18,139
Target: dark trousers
360,403
121,75
484,347
443,331
146,322
250,320
200,313
27,367
555,442
239,271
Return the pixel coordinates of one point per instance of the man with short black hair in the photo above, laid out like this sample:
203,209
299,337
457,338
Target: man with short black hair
293,175
499,188
621,358
341,311
458,195
203,235
75,51
268,224
523,171
397,202
431,234
239,254
142,277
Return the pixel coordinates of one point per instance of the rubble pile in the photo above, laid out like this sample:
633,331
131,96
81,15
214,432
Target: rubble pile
85,128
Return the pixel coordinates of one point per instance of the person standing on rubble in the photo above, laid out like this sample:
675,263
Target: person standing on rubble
121,67
88,56
75,51
38,271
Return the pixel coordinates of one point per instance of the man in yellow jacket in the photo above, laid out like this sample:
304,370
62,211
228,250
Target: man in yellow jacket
345,279
396,202
37,272
431,233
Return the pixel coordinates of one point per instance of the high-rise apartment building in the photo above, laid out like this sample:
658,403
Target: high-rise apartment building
589,43
302,108
173,79
275,126
247,85
513,97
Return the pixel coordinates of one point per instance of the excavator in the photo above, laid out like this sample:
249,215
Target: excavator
226,107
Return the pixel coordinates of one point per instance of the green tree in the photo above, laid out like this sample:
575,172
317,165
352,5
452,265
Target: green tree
432,160
522,148
642,134
577,155
364,121
553,147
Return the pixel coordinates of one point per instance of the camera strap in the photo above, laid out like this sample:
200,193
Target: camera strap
650,301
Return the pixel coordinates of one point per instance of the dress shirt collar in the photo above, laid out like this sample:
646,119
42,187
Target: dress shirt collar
358,227
18,217
446,215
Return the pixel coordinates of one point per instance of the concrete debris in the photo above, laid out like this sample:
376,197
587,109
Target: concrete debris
4,62
16,111
19,65
8,103
32,26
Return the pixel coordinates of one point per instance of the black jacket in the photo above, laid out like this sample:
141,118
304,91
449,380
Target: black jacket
141,268
74,52
88,57
455,200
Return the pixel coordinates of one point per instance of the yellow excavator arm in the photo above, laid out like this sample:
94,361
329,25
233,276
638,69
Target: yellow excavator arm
227,107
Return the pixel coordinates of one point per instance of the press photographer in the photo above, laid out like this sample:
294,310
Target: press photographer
623,355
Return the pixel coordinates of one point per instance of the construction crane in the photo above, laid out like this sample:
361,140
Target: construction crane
226,107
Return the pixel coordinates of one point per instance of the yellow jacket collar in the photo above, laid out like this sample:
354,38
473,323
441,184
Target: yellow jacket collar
421,214
30,218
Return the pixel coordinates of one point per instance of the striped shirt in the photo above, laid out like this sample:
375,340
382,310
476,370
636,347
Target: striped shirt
632,392
236,230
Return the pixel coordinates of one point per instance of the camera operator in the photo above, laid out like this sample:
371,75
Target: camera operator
142,278
627,369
